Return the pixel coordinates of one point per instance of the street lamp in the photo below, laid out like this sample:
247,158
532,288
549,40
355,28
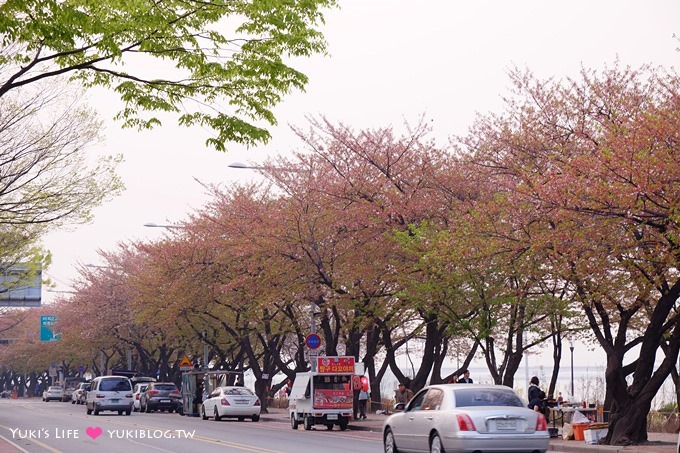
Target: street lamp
156,225
571,348
241,165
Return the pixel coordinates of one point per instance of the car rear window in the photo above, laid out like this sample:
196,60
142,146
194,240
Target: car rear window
165,386
486,397
237,391
114,385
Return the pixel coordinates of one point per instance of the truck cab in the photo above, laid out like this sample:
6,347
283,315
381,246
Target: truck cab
324,396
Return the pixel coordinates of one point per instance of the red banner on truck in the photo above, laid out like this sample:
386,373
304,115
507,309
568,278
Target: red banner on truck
335,365
332,399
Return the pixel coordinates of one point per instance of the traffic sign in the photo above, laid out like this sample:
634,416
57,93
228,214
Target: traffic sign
313,341
185,364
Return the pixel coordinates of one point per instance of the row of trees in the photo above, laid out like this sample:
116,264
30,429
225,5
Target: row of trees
557,217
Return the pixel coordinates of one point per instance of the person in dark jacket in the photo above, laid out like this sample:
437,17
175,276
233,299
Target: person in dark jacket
466,379
537,399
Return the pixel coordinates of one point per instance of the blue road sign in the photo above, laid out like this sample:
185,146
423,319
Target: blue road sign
313,341
46,323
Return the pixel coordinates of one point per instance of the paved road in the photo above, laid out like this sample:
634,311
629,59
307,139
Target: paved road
35,426
30,425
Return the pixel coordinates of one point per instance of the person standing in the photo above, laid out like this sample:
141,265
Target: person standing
363,402
466,379
403,394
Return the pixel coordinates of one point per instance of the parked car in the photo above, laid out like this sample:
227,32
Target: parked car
109,393
164,396
232,401
465,417
137,391
70,384
80,394
53,392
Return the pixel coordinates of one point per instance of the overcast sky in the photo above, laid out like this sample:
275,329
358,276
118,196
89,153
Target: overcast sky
389,61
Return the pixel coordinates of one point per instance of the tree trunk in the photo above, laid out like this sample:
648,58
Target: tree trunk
628,424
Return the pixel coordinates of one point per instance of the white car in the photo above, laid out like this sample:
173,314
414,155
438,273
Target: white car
80,394
232,401
109,393
136,393
465,417
53,392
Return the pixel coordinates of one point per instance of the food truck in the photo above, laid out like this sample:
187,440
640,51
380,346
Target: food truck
323,396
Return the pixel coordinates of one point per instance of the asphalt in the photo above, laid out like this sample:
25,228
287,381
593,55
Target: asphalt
657,442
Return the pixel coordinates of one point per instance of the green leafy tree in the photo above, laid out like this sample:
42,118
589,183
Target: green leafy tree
219,65
47,178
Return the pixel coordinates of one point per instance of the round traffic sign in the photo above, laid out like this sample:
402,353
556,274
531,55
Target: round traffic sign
313,341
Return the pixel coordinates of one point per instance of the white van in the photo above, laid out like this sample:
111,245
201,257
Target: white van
110,393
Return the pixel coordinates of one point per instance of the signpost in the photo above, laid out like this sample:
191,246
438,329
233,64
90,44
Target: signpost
313,341
46,323
185,364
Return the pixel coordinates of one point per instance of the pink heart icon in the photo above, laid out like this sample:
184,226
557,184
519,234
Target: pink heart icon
93,432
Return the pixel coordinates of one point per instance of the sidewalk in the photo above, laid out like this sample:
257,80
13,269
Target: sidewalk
658,442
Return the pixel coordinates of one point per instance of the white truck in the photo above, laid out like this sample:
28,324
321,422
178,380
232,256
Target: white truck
323,396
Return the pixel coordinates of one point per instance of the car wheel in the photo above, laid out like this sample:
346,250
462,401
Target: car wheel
308,423
256,418
343,424
203,414
293,421
436,444
120,412
217,415
388,442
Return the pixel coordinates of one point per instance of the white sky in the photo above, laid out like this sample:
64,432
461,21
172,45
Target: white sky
389,61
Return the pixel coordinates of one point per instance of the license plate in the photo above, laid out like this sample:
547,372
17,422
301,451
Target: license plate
165,401
332,417
114,400
506,424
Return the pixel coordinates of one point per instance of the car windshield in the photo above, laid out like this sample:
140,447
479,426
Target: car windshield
114,385
236,391
486,397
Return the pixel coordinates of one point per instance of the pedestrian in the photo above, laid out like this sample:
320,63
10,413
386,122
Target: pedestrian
403,394
466,379
536,396
363,402
453,379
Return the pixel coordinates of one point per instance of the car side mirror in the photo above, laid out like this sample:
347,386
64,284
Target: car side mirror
399,407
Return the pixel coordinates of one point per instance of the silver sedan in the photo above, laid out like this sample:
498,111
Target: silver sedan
465,418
